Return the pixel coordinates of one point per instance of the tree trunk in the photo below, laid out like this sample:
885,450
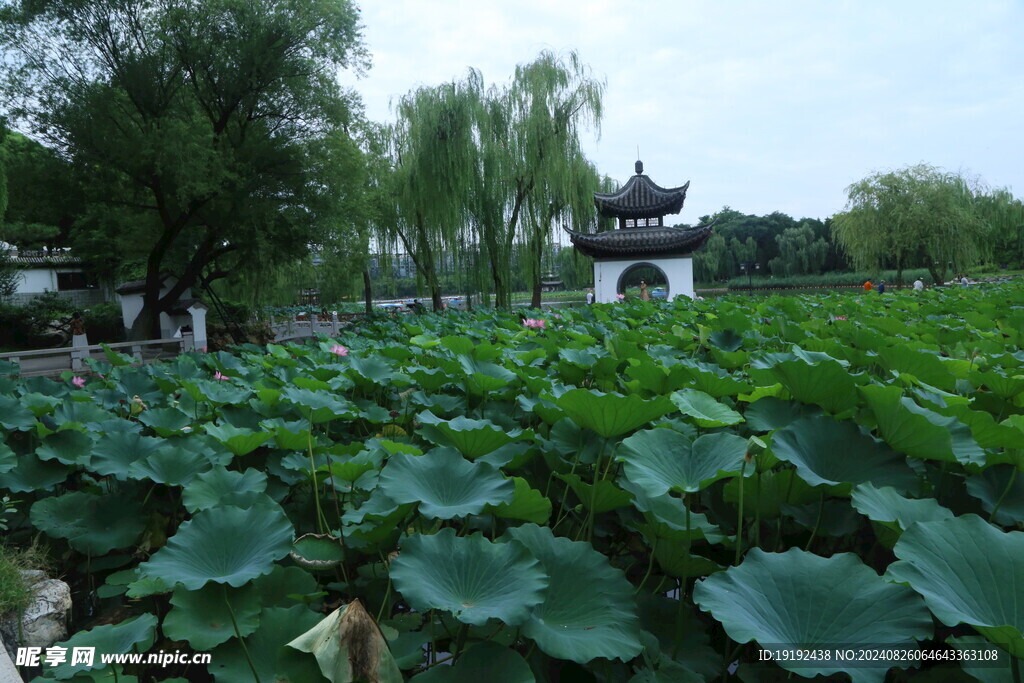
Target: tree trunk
536,255
368,291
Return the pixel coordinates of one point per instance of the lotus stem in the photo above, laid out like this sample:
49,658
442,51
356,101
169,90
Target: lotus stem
1009,484
238,634
739,521
320,521
757,510
814,531
650,566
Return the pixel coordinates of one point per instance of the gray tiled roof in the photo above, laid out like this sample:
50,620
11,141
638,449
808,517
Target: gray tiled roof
641,197
642,242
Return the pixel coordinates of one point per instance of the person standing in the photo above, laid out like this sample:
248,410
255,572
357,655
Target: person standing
868,286
590,296
964,281
918,285
881,287
644,296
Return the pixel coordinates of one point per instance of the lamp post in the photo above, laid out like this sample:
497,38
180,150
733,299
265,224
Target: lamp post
749,267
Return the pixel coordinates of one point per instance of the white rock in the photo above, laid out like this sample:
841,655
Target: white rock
44,621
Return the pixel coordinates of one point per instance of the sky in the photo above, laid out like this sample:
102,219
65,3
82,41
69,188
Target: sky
763,106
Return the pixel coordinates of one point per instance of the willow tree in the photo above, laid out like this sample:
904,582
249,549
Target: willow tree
1004,214
432,151
916,217
529,156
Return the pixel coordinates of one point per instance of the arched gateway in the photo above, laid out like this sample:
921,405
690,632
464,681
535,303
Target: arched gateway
641,237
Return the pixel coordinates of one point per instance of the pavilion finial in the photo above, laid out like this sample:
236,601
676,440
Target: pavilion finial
639,166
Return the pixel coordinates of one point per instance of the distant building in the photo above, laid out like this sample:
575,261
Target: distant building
45,271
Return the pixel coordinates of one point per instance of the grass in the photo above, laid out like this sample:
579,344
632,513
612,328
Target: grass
15,596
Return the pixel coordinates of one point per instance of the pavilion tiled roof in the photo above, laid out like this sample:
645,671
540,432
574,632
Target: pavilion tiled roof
642,242
641,197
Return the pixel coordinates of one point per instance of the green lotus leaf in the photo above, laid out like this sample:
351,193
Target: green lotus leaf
132,635
204,617
165,421
770,413
611,415
239,441
92,524
115,452
445,484
588,609
919,432
827,383
349,646
672,556
663,460
885,504
319,406
220,486
668,518
922,364
472,438
68,446
605,498
8,458
483,661
1001,486
999,384
279,587
527,504
968,572
774,491
289,436
368,371
225,544
799,600
825,451
32,474
40,404
996,670
168,465
267,649
483,377
704,409
471,577
317,551
14,416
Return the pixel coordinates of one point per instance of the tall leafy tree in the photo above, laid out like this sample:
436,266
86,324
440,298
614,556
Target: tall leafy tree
1004,214
432,151
915,217
206,125
531,160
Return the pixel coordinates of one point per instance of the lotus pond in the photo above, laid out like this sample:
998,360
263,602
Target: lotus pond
638,492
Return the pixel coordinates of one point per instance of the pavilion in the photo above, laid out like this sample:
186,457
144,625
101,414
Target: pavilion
641,238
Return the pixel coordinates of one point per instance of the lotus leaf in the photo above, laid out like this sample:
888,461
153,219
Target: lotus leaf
484,661
14,416
606,496
885,504
825,451
611,415
349,646
204,617
220,486
266,647
133,635
473,578
527,504
797,599
445,484
68,446
472,438
662,460
92,524
704,409
588,609
224,544
1001,486
968,572
115,452
919,432
165,421
238,440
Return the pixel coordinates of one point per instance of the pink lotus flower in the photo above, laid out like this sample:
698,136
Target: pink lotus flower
534,323
339,350
219,376
620,297
840,317
204,349
78,381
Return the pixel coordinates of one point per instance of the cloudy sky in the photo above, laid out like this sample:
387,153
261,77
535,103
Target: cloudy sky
764,106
